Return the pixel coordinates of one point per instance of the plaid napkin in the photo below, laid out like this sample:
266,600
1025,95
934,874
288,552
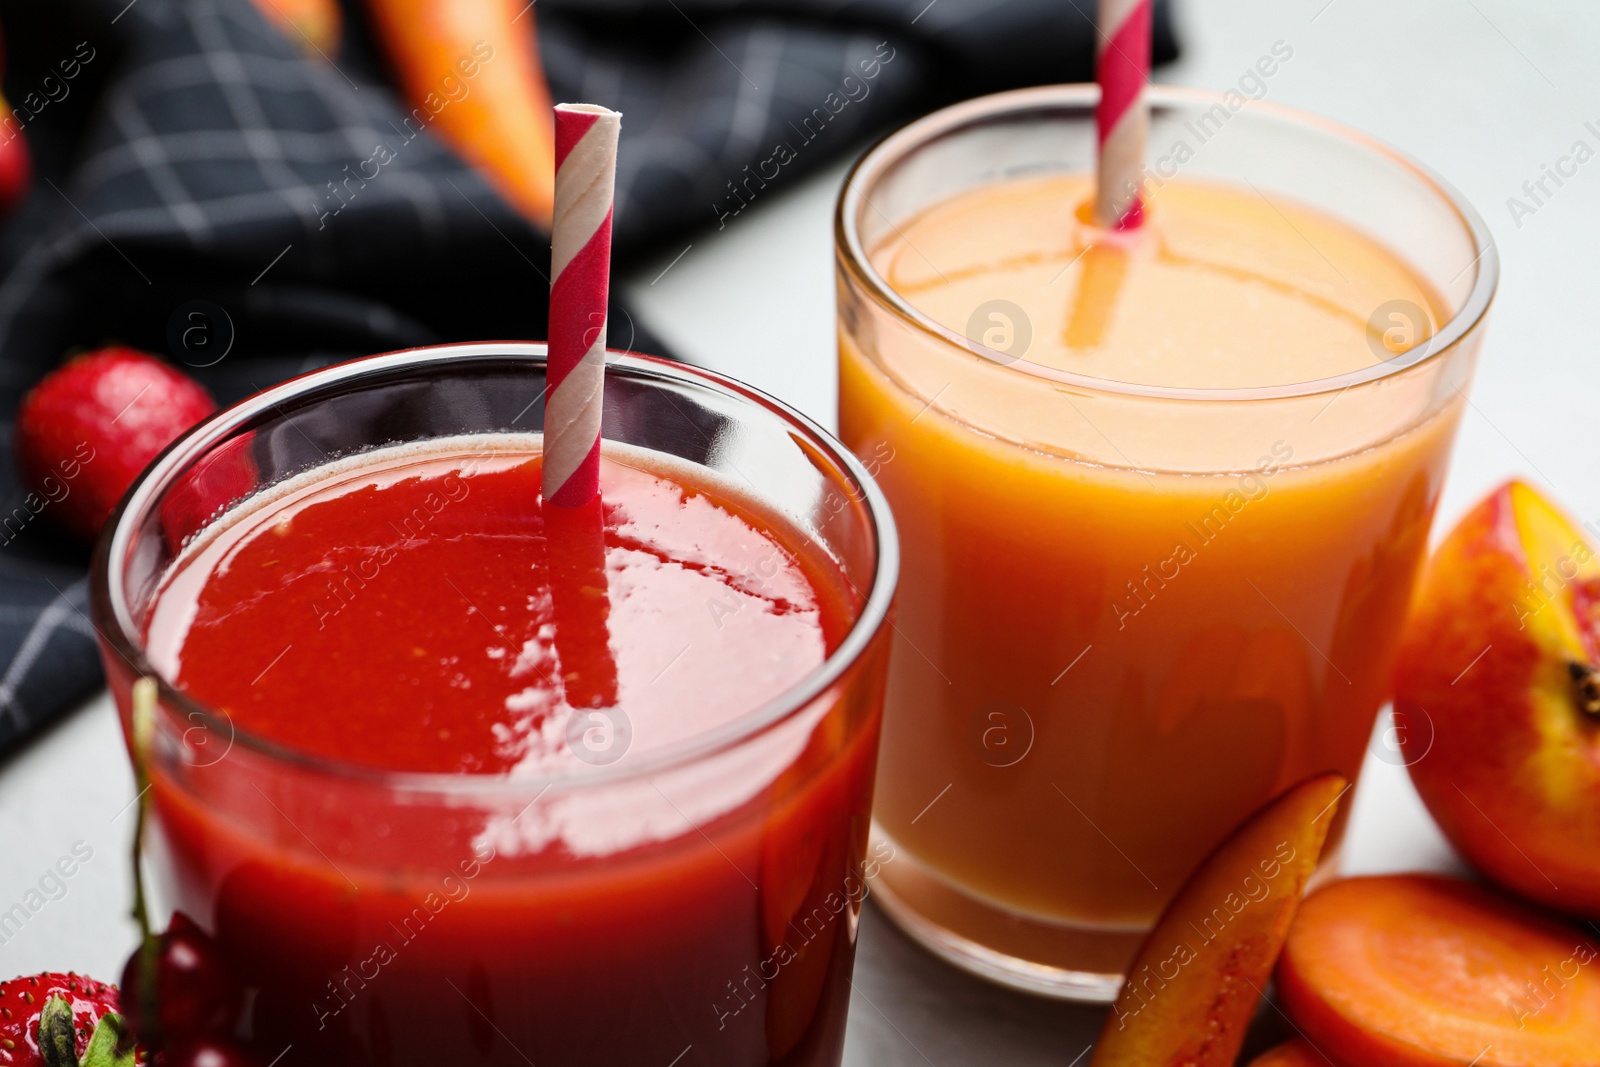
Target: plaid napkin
190,157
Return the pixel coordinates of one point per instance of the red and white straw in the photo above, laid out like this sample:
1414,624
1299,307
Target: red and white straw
1122,119
580,286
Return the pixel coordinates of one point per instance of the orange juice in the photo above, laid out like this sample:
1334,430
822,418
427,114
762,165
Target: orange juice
1147,585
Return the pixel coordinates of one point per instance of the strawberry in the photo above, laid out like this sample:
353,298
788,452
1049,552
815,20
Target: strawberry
90,427
60,1020
16,166
16,161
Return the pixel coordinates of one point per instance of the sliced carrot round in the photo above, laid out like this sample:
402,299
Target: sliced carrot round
1290,1054
1426,971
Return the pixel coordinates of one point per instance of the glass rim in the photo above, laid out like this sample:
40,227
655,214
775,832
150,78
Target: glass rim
113,618
898,145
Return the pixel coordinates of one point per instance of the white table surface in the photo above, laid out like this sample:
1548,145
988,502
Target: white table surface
1485,91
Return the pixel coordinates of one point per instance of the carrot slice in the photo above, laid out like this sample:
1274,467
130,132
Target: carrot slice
1291,1054
1196,982
471,71
314,25
1428,971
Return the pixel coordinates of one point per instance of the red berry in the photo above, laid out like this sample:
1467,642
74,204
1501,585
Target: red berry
132,1006
196,995
90,427
207,1052
16,161
16,166
23,999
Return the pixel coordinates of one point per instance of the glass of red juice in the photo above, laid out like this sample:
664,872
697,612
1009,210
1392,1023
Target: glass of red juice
453,777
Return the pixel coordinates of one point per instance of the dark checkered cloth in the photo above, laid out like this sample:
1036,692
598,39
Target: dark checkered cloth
186,151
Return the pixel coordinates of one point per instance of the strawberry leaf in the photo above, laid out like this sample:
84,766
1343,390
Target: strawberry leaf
109,1033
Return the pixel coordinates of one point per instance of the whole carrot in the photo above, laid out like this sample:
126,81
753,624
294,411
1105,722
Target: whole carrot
472,68
314,25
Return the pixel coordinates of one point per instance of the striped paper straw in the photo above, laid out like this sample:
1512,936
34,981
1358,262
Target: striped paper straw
1122,120
580,285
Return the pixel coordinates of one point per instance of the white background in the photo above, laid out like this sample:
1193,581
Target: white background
1484,91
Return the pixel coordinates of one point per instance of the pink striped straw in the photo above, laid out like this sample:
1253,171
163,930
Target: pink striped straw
1122,120
580,286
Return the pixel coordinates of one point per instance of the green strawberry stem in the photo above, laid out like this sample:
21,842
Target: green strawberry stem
144,722
58,1034
58,1039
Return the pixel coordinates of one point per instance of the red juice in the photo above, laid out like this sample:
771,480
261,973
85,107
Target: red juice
582,897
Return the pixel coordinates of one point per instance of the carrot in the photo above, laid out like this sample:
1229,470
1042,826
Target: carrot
1291,1054
1197,979
1427,971
470,70
314,25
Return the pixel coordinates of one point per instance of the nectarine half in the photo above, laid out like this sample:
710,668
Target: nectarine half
1498,683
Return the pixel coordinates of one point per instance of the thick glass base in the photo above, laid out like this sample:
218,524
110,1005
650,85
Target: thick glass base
1065,962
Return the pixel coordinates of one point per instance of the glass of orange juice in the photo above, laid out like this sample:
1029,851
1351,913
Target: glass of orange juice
1162,494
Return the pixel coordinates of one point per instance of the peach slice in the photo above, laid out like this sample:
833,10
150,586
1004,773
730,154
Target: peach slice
1196,981
1497,683
1428,971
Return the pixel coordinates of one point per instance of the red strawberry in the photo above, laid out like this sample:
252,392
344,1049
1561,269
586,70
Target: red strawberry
90,427
16,161
43,1014
16,166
